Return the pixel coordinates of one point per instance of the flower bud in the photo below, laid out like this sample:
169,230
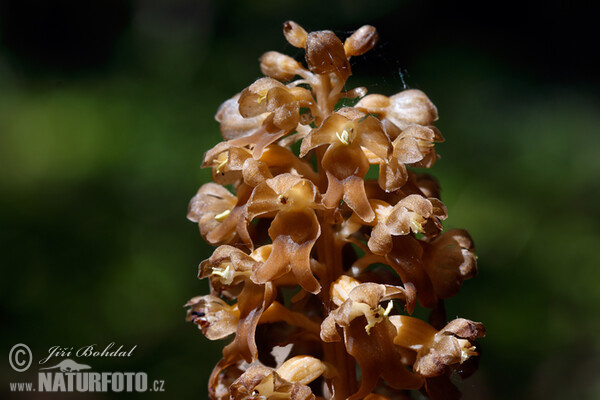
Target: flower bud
325,53
373,102
341,288
294,34
411,107
361,41
301,369
279,66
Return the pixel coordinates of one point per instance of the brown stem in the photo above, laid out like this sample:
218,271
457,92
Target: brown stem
277,312
335,353
330,254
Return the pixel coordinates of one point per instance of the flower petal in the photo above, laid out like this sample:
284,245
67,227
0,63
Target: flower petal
252,99
377,356
406,259
215,317
392,175
232,123
411,107
449,260
294,234
325,134
371,136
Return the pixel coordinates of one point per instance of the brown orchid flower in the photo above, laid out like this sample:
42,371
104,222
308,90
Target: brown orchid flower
325,54
437,350
299,214
368,333
218,213
228,164
415,145
288,381
406,259
449,260
234,163
361,41
436,269
291,200
229,267
355,299
262,383
351,138
282,105
413,213
210,207
403,109
213,316
233,124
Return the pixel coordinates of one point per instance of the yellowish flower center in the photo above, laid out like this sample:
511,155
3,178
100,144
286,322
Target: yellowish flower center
377,315
296,198
467,350
225,272
424,145
221,216
416,223
262,95
347,136
221,161
266,390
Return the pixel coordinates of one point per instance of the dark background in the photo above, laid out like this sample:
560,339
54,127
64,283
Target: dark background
106,107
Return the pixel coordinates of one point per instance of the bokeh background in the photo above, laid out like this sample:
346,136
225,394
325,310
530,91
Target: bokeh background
106,107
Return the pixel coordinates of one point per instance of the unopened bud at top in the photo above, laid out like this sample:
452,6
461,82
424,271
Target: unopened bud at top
279,66
361,41
294,34
325,53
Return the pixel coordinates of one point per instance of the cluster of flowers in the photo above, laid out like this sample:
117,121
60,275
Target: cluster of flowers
317,267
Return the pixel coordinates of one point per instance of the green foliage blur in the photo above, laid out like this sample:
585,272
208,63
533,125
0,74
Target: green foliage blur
107,108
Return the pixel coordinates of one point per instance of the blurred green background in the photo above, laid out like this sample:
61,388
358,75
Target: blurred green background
106,107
